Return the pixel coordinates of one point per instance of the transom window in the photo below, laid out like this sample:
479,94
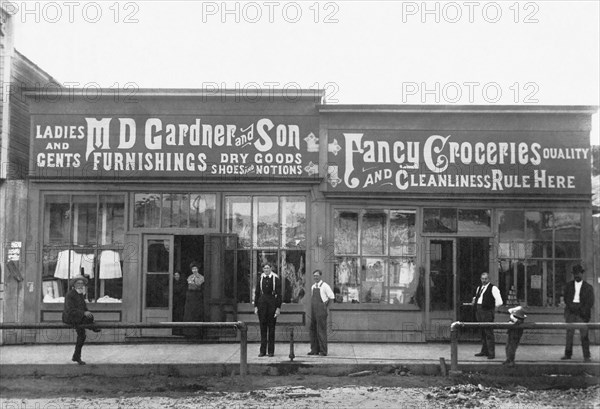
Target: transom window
183,210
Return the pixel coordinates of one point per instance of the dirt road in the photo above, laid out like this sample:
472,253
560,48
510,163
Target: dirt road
292,392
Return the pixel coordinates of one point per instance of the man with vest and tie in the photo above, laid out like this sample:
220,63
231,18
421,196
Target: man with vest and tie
267,304
321,296
487,299
579,300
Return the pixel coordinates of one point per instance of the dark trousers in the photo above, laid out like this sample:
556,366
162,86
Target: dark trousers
583,334
488,344
318,327
81,337
512,343
266,316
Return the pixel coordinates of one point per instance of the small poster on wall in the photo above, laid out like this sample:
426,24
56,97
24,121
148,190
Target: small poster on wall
536,282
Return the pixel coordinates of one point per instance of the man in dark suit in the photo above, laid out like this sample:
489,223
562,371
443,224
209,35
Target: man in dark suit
487,299
76,314
267,304
579,299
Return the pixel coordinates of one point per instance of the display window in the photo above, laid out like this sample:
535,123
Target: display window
270,229
83,235
536,252
375,256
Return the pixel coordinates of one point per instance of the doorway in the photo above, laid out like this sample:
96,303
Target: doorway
453,267
164,298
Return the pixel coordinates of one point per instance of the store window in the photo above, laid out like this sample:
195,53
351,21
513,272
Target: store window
452,220
183,210
83,235
536,253
270,229
375,255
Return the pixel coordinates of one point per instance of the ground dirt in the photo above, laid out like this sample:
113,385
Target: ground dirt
291,392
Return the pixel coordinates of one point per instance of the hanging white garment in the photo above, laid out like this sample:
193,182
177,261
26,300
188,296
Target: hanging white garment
110,265
63,264
87,264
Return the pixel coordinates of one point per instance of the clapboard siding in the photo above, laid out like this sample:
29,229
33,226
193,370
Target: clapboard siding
24,74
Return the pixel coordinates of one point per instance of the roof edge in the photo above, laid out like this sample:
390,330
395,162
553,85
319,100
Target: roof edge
487,109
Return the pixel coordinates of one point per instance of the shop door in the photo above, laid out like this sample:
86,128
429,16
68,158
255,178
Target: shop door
220,297
441,291
157,299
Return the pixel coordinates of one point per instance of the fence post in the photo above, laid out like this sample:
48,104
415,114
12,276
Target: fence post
292,356
243,348
454,347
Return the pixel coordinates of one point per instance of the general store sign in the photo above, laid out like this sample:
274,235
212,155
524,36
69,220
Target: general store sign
458,161
175,146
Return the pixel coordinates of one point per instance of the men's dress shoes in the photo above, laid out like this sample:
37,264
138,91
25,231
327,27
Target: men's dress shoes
587,359
506,362
261,354
96,329
312,353
322,354
565,357
78,360
481,354
491,357
271,355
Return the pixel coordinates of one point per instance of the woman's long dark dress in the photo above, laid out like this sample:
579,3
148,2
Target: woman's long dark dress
194,310
179,295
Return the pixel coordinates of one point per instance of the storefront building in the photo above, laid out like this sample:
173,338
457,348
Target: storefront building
401,207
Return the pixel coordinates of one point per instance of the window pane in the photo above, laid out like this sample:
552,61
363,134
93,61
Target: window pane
238,219
266,216
244,278
85,214
511,225
57,219
374,232
474,220
203,211
539,234
567,226
294,221
346,232
441,276
293,275
374,286
404,280
346,280
536,270
402,233
157,291
171,210
441,220
112,219
562,274
147,210
157,257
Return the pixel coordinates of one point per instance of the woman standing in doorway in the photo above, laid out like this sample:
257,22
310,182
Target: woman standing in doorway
194,301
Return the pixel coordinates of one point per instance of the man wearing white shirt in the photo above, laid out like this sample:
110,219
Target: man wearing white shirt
487,299
579,300
321,296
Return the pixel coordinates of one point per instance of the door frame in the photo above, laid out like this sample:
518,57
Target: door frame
428,313
156,314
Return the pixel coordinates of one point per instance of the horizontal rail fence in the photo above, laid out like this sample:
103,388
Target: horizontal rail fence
239,325
456,326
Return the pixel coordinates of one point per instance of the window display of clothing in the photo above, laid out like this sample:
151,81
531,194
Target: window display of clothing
110,265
